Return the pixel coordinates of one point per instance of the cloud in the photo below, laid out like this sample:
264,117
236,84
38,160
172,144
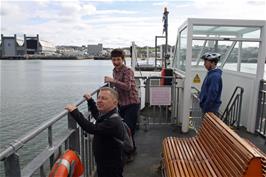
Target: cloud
114,23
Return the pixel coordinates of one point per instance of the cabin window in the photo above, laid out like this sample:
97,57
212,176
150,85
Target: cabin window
180,62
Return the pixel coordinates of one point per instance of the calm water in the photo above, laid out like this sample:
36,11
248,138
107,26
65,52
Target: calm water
34,91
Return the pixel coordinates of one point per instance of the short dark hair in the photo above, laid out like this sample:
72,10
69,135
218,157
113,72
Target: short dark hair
112,91
118,53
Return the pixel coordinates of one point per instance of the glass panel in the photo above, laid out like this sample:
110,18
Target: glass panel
231,62
252,34
226,31
208,46
180,58
249,57
183,50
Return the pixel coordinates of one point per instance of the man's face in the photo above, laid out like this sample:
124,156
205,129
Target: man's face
105,101
208,64
117,61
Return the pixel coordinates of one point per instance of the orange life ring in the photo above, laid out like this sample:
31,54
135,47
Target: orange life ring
68,164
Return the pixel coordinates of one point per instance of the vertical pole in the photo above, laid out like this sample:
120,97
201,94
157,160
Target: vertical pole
165,17
12,166
74,138
161,55
2,46
155,52
50,142
133,56
16,51
147,55
25,44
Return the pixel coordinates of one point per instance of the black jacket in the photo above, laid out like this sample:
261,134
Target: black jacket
107,151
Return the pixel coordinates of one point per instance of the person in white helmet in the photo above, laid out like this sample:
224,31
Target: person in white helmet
211,89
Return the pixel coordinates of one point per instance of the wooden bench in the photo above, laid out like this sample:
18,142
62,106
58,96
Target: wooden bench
216,151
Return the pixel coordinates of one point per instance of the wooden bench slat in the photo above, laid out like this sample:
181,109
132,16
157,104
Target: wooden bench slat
198,160
207,172
220,124
218,169
190,158
184,166
219,151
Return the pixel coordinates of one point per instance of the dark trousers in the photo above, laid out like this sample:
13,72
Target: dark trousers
130,114
107,171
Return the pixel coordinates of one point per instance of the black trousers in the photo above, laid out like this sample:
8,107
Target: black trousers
107,171
130,114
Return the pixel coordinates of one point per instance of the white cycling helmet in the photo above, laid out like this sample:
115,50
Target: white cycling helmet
211,56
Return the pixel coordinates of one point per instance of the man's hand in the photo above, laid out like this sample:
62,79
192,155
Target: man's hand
87,96
108,79
70,107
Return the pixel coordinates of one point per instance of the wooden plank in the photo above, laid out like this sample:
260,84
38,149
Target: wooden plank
194,156
206,145
235,161
184,166
244,144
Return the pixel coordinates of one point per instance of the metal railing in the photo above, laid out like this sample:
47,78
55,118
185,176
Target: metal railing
232,113
261,110
195,112
74,139
158,114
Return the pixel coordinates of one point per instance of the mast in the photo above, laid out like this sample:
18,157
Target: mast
165,29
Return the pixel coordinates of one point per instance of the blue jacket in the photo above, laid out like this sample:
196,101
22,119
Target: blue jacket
211,89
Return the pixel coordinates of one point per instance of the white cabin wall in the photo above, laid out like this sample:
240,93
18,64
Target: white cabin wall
230,81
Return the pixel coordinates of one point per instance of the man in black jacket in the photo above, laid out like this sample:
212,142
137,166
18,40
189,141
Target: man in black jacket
107,151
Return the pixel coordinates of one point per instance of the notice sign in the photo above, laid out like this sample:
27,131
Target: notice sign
196,79
160,95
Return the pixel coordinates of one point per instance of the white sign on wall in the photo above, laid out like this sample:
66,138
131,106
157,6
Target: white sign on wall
160,95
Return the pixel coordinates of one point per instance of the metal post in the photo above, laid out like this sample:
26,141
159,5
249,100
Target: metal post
147,91
74,138
165,29
155,53
12,166
50,136
42,171
133,56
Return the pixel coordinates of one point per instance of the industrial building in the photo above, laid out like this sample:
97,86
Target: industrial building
32,45
95,50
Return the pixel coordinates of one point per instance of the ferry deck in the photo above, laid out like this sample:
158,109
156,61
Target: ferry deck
172,109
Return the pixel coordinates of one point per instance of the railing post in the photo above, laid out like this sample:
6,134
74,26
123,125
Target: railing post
173,101
50,142
74,138
12,166
259,113
147,91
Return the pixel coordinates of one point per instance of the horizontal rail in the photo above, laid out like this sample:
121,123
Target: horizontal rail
41,158
19,143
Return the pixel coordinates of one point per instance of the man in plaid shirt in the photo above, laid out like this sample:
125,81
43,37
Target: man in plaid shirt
124,82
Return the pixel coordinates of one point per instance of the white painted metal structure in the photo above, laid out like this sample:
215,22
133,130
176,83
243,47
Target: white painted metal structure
242,45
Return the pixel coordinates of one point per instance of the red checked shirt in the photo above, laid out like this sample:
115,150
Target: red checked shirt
125,86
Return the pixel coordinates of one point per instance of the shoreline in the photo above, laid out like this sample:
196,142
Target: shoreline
45,58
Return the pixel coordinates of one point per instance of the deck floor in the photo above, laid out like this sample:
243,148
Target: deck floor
149,143
148,157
